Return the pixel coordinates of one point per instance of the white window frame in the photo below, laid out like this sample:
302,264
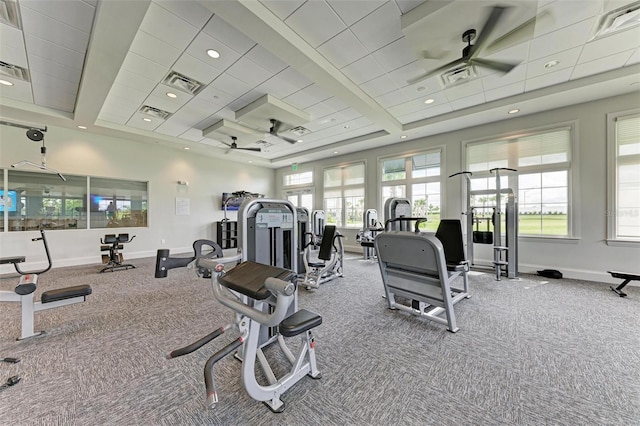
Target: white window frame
612,180
297,172
342,188
573,188
409,181
299,189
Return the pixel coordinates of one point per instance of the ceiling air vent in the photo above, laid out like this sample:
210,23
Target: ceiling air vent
9,70
183,83
458,75
154,112
9,13
300,131
618,20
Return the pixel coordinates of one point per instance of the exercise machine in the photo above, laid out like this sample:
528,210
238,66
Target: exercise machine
329,263
371,227
397,208
113,243
626,277
317,227
413,266
486,228
24,293
261,296
164,262
304,237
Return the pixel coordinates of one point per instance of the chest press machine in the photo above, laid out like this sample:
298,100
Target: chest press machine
24,292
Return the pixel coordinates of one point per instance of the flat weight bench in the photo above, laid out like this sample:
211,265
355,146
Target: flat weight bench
626,277
24,293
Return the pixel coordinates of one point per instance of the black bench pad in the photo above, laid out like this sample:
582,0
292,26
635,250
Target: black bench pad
299,322
16,259
248,278
65,293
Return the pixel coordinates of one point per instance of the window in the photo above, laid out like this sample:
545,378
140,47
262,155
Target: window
35,200
301,198
417,178
294,179
542,181
624,177
344,195
117,203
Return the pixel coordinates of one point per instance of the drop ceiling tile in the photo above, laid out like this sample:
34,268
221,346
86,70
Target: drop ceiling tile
112,115
336,104
401,75
310,95
379,86
20,91
249,72
614,43
76,14
46,28
394,55
216,96
134,96
154,49
567,59
198,49
601,65
565,13
363,70
231,85
423,88
158,98
144,67
504,91
315,22
51,97
12,48
52,84
192,12
282,8
379,28
266,59
432,111
220,30
319,110
343,49
62,72
560,40
284,83
332,120
121,108
138,121
172,127
196,69
467,102
54,52
351,11
393,98
463,90
196,110
551,79
168,27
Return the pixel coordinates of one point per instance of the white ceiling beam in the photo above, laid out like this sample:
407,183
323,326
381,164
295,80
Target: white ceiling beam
260,24
115,26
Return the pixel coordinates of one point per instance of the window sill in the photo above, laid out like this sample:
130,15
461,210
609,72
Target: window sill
623,243
549,239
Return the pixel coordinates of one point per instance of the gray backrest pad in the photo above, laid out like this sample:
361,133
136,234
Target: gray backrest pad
419,253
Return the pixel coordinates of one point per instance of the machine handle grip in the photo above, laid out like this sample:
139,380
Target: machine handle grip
278,286
462,173
503,168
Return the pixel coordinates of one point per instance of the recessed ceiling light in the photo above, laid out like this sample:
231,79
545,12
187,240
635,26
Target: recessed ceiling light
514,111
403,137
346,126
551,64
186,148
213,53
172,95
148,120
429,101
6,83
335,152
82,127
299,141
250,161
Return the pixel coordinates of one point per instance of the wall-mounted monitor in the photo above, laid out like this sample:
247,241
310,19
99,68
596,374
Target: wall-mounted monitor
233,202
8,201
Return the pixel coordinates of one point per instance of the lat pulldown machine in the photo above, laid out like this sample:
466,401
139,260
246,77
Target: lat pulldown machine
505,246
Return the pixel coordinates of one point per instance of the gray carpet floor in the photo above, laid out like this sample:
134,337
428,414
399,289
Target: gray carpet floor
530,351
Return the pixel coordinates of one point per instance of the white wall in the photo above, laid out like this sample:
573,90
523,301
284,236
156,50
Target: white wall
79,152
588,257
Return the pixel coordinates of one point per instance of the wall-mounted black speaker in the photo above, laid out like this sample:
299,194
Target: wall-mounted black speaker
35,135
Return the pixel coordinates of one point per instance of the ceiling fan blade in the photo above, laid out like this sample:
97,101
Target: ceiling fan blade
487,29
291,141
504,67
251,149
519,34
436,71
275,126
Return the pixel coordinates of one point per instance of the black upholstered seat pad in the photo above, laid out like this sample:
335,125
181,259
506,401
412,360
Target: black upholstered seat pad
15,259
248,278
302,320
65,293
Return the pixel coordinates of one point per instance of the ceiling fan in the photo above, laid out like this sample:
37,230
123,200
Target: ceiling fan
273,131
233,145
471,53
